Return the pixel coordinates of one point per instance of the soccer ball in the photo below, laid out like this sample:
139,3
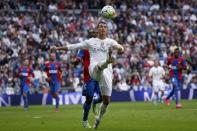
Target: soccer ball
108,12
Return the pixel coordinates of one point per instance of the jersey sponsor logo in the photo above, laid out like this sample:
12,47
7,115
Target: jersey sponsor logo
173,80
100,49
52,71
24,74
174,67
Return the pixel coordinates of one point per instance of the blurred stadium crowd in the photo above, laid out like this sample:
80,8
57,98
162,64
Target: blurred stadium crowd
148,29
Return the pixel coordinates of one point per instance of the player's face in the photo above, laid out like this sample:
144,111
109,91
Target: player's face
102,29
53,57
93,34
156,63
26,62
176,53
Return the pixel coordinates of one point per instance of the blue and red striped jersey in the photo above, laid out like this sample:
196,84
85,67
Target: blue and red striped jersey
85,56
173,63
25,73
53,70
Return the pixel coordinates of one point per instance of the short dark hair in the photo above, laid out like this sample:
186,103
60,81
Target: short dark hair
101,22
176,49
91,33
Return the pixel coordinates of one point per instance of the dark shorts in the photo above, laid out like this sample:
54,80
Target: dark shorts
90,88
24,88
54,87
177,83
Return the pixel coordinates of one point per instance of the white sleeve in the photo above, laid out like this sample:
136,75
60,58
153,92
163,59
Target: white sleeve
151,72
163,71
116,45
82,45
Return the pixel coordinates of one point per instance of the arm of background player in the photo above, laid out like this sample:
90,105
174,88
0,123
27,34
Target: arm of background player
32,73
60,66
163,73
167,63
46,69
183,64
18,73
80,55
150,74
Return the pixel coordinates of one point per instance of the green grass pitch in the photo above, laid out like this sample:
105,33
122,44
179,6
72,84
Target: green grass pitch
138,116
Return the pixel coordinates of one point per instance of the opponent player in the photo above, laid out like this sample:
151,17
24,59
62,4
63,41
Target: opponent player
157,73
91,86
176,64
100,67
53,71
25,73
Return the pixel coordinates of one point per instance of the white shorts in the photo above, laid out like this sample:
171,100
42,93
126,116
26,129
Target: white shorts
104,78
158,86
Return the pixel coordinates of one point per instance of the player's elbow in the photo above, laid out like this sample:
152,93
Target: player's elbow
121,49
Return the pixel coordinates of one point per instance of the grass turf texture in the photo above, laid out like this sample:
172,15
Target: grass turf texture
139,116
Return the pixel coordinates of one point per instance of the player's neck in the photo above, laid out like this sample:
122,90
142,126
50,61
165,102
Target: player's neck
102,37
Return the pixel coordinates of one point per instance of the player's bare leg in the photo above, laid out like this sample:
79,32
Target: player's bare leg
55,95
102,111
167,99
25,99
155,98
94,103
178,97
161,97
105,98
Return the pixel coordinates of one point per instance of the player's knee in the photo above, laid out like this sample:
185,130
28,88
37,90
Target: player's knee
89,100
54,95
106,100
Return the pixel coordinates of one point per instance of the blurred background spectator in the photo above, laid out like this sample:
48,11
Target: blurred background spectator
148,29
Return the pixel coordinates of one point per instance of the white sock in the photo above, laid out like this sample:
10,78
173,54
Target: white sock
102,111
156,97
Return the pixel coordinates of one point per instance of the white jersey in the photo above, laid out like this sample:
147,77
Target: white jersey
98,48
157,73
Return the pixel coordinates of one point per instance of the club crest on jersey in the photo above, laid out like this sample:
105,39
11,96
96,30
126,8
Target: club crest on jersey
100,49
52,71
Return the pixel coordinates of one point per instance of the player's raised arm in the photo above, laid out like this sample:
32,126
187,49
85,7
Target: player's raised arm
117,46
82,45
182,64
150,73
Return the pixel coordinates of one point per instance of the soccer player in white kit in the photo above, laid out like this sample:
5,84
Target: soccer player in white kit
100,67
157,73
